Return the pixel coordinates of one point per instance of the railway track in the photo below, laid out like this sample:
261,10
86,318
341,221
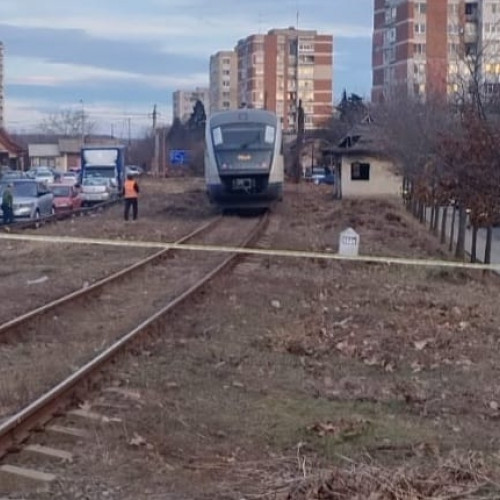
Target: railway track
11,327
37,223
184,275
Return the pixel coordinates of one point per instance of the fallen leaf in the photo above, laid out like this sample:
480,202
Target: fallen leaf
421,344
137,440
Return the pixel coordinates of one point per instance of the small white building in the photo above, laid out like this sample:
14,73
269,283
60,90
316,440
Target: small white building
363,169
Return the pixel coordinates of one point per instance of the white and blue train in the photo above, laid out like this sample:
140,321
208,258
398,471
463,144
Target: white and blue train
244,158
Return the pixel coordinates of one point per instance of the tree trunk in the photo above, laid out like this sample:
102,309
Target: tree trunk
452,231
473,250
443,225
462,220
487,248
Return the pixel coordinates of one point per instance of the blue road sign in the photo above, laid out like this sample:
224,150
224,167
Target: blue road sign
178,157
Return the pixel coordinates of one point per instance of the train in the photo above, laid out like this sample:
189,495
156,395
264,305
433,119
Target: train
244,165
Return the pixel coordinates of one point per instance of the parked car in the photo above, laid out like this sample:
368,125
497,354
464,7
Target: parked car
320,175
32,199
11,175
95,190
133,170
42,174
69,178
66,197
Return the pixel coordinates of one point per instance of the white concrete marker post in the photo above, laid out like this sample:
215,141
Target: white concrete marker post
349,243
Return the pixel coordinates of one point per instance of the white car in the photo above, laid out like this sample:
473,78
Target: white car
133,170
69,178
43,174
95,190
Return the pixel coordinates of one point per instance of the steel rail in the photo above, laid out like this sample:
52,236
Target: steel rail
8,325
15,429
36,223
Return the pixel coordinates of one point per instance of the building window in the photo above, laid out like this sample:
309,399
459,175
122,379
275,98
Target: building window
420,8
453,49
306,47
420,28
390,14
390,35
419,48
360,171
471,9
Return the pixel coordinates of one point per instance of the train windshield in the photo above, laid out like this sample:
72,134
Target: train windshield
244,147
244,136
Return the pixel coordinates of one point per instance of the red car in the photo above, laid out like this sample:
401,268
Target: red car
66,197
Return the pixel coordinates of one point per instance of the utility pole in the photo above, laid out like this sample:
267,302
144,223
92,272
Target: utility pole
298,142
155,116
129,133
156,166
83,121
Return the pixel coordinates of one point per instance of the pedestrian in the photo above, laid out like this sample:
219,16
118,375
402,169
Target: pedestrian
8,205
131,194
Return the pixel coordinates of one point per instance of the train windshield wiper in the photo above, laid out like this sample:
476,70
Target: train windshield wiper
245,145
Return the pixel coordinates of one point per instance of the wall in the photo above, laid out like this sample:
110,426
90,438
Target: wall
383,181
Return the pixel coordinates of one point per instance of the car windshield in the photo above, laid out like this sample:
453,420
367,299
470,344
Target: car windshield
61,191
25,189
107,172
95,181
11,175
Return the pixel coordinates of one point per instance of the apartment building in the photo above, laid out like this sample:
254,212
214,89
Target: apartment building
1,87
223,81
183,102
284,66
423,48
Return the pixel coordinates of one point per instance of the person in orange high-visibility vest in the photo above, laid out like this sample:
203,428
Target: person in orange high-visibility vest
131,194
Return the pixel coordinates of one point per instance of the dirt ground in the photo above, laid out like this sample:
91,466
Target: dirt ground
304,379
33,273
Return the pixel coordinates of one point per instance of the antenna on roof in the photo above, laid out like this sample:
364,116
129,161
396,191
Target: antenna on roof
298,13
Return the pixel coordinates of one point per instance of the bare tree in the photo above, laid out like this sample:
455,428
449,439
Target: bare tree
68,122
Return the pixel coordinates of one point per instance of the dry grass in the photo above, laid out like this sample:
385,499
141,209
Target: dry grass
457,476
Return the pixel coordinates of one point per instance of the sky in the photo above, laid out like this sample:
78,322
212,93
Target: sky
116,59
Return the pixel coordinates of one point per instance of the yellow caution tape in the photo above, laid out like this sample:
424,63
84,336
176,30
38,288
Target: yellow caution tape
252,251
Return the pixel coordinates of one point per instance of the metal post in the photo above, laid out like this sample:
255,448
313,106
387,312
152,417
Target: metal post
83,121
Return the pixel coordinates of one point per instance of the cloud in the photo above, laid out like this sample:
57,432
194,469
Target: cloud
114,54
31,71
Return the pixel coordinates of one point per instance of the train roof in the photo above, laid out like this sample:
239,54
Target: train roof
243,115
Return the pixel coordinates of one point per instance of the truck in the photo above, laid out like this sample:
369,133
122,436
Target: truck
105,163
